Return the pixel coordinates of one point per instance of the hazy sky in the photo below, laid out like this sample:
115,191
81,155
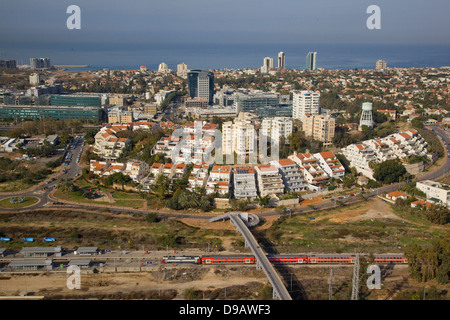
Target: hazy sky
226,21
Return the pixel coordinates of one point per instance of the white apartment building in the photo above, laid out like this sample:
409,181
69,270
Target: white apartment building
244,184
219,180
305,103
292,176
239,137
136,169
269,180
277,127
396,146
330,164
435,191
314,174
198,177
107,145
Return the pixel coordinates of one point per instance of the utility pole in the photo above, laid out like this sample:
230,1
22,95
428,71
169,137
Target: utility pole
355,288
330,288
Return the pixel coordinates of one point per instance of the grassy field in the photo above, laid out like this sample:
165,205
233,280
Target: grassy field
373,226
72,229
6,203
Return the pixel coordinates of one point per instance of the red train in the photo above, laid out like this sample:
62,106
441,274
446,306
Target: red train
286,259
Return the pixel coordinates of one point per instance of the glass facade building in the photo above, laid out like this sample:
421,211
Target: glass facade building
75,100
57,113
201,84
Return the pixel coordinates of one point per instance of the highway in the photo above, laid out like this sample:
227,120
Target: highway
279,290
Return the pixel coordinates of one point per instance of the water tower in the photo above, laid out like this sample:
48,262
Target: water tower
366,115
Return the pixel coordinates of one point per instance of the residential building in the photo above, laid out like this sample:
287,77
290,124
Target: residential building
396,195
330,164
240,137
292,176
277,127
219,180
136,169
120,117
313,173
381,65
267,65
40,63
319,127
281,61
435,191
270,181
182,70
35,79
244,183
198,177
395,146
107,145
305,103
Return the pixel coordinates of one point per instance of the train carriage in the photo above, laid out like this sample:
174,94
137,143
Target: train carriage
287,259
228,259
181,259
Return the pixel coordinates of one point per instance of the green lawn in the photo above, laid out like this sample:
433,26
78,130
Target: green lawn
6,203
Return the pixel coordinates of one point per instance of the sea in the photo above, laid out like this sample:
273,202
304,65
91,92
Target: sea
236,56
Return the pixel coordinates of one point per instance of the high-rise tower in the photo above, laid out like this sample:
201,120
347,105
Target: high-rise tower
281,60
201,84
311,61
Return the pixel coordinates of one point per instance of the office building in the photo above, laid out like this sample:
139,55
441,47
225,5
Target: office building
75,100
281,61
311,61
305,103
257,102
201,84
381,65
53,112
319,127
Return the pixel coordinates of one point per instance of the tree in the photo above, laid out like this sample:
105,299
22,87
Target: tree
389,171
263,201
161,187
66,186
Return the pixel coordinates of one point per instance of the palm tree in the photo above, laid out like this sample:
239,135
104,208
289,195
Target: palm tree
263,201
66,186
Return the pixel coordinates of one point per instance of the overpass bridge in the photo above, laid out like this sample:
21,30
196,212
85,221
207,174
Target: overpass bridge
237,220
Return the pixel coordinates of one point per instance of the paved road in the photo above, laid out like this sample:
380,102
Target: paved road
279,289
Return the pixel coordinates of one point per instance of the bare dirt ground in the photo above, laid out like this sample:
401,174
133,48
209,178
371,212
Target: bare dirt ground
376,209
240,282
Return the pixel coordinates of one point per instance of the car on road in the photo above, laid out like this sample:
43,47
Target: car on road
311,218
